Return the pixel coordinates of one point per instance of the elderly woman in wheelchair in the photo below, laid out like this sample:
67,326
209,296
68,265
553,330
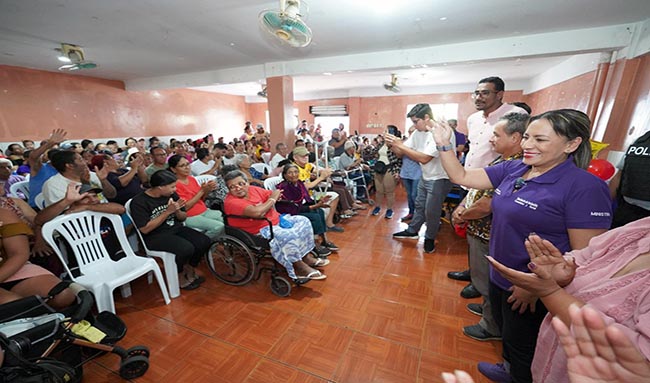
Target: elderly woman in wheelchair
292,240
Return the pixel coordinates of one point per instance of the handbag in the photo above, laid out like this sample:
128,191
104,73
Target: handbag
380,167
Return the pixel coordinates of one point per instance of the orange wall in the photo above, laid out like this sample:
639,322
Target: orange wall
35,102
573,93
380,110
625,103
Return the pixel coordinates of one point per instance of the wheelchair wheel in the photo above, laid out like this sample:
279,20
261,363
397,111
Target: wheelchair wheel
230,261
134,367
280,286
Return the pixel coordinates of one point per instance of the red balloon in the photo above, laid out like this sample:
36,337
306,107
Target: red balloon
601,169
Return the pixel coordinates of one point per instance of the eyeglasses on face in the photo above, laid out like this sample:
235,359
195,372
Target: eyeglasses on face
483,93
238,185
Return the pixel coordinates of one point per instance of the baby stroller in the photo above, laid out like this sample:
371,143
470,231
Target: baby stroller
42,345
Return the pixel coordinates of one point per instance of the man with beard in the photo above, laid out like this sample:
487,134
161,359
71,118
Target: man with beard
488,99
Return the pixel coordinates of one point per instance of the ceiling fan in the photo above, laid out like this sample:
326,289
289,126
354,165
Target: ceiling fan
73,55
286,24
393,87
262,93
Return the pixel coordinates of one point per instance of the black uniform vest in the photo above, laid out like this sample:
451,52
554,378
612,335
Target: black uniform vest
635,181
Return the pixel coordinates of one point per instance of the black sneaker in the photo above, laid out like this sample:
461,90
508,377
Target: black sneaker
477,332
322,251
405,234
429,245
331,246
475,308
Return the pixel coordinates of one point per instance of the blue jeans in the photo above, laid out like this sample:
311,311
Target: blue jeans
428,206
411,187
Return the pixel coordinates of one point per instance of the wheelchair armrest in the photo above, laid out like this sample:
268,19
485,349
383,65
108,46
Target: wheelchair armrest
226,216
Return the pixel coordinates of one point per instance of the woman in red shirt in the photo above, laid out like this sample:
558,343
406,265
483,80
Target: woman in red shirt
290,246
199,217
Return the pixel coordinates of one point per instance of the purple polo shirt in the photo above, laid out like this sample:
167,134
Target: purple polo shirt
565,197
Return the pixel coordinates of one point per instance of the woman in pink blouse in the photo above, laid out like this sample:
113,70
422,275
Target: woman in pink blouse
612,275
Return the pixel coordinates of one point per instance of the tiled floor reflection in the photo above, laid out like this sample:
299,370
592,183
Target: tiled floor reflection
386,313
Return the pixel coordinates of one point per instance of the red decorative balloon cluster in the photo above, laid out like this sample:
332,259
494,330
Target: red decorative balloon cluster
602,169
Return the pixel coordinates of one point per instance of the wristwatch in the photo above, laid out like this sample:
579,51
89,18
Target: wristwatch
445,148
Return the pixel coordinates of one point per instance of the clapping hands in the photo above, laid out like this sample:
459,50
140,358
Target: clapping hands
174,206
209,186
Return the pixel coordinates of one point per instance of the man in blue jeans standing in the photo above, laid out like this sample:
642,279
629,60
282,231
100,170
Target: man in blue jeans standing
434,184
410,174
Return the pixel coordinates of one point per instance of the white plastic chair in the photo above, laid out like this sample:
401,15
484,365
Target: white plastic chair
39,201
262,168
266,157
169,259
271,182
21,186
99,273
203,178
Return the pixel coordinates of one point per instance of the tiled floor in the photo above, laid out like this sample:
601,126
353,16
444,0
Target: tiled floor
386,313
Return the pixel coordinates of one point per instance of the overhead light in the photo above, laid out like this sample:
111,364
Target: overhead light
327,73
63,58
443,18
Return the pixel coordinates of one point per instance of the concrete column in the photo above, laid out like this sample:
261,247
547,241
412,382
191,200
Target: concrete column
599,86
280,104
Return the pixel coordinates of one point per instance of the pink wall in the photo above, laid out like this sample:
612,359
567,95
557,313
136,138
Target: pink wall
35,102
637,111
392,110
626,102
380,110
573,93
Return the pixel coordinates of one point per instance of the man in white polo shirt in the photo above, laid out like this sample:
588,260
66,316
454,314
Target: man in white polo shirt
488,99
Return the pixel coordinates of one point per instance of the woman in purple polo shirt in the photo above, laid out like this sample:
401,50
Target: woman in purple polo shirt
548,192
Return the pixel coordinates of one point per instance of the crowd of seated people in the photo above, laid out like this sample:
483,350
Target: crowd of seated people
172,210
541,263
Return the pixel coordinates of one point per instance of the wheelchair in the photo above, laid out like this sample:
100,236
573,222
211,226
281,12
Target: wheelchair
237,257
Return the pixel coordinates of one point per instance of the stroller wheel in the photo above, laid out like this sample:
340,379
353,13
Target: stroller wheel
134,366
280,286
138,350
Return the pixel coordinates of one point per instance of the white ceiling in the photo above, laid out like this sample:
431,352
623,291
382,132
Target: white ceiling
154,44
452,77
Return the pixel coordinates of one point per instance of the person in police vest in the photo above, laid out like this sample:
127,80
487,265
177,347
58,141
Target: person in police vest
631,185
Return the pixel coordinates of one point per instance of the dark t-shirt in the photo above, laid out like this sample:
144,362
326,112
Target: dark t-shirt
144,208
337,151
124,193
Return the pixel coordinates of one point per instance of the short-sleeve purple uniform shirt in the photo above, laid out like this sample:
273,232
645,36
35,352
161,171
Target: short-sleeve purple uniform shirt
565,197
